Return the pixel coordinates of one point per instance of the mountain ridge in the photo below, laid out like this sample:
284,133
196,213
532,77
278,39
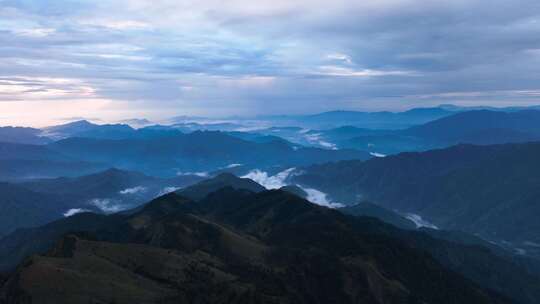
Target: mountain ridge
259,215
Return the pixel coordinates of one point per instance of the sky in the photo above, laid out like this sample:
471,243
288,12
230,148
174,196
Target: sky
112,60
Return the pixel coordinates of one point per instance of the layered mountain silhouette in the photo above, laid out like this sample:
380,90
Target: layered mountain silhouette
194,152
155,152
370,120
238,246
39,201
22,136
84,128
113,214
25,161
487,190
482,127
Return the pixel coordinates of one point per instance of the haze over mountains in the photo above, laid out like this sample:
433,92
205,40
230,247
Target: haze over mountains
433,205
269,151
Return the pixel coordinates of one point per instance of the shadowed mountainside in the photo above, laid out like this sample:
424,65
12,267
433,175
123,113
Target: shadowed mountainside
489,190
236,246
40,201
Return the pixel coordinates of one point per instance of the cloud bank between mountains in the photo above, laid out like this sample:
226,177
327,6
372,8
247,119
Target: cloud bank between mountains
281,180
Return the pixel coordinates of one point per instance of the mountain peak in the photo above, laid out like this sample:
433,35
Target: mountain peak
82,122
160,206
114,172
294,189
223,180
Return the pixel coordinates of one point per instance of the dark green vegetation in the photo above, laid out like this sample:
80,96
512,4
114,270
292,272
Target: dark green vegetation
237,246
488,190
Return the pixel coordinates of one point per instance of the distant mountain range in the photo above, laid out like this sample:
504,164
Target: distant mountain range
371,120
383,120
487,190
380,133
85,128
235,245
22,136
160,153
24,162
194,152
481,127
475,127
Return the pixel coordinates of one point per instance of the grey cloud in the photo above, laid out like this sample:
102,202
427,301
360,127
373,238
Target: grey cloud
210,57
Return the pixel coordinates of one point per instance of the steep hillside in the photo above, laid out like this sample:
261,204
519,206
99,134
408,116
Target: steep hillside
39,201
237,247
488,190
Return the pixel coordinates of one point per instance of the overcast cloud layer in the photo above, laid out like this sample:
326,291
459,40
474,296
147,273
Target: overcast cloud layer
154,59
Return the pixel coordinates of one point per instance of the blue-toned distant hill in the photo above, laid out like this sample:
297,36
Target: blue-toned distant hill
12,151
84,128
381,133
370,120
161,152
475,127
482,127
194,152
22,162
22,136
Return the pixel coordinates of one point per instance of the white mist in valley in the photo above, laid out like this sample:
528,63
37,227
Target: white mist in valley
419,221
108,205
72,212
280,180
133,190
